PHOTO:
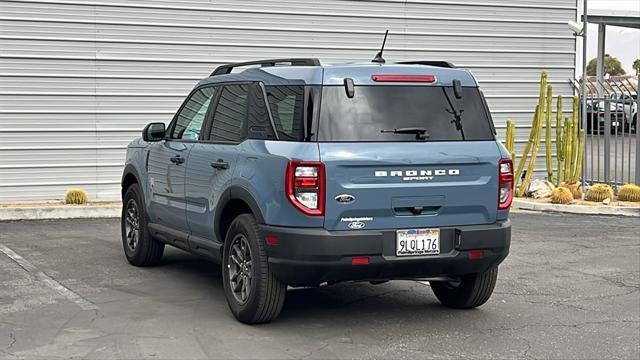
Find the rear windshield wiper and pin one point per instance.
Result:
(419, 132)
(457, 115)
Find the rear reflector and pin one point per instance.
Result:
(272, 240)
(404, 78)
(360, 260)
(475, 254)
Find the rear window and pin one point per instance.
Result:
(374, 109)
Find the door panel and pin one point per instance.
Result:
(166, 183)
(167, 162)
(211, 165)
(206, 184)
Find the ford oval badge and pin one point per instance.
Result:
(356, 225)
(345, 198)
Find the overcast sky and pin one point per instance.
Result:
(623, 43)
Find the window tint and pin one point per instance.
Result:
(191, 117)
(230, 117)
(259, 124)
(287, 108)
(377, 108)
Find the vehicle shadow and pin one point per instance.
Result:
(398, 301)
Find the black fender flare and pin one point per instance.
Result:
(129, 169)
(235, 192)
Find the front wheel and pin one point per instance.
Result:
(139, 247)
(253, 293)
(467, 292)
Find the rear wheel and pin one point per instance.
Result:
(139, 247)
(253, 293)
(468, 292)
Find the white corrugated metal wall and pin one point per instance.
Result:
(80, 78)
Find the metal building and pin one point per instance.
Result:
(80, 78)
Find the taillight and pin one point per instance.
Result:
(305, 186)
(404, 78)
(505, 183)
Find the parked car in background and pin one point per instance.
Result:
(596, 115)
(310, 174)
(629, 103)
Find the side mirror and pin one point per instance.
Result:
(457, 88)
(154, 132)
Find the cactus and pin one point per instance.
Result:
(527, 148)
(599, 193)
(534, 152)
(574, 137)
(559, 143)
(76, 197)
(511, 137)
(534, 140)
(561, 195)
(629, 192)
(578, 164)
(567, 148)
(547, 139)
(574, 187)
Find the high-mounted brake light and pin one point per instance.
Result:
(305, 186)
(404, 78)
(505, 183)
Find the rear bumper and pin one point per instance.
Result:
(310, 256)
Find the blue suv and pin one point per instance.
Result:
(296, 173)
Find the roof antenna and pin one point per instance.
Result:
(379, 59)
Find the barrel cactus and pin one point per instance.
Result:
(599, 193)
(573, 186)
(76, 197)
(561, 195)
(629, 192)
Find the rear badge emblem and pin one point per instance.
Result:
(356, 225)
(345, 198)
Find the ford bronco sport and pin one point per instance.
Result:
(294, 173)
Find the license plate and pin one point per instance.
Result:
(416, 242)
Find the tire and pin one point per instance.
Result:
(140, 248)
(472, 290)
(259, 295)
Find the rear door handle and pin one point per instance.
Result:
(220, 164)
(177, 159)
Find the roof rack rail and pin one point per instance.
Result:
(226, 68)
(438, 63)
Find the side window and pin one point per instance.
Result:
(259, 123)
(191, 117)
(287, 108)
(230, 117)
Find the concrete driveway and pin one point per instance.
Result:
(569, 289)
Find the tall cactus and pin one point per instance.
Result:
(547, 139)
(567, 148)
(574, 136)
(559, 143)
(534, 151)
(534, 139)
(511, 135)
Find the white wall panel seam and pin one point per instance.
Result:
(284, 46)
(99, 57)
(301, 13)
(286, 29)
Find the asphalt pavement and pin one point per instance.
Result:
(569, 289)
